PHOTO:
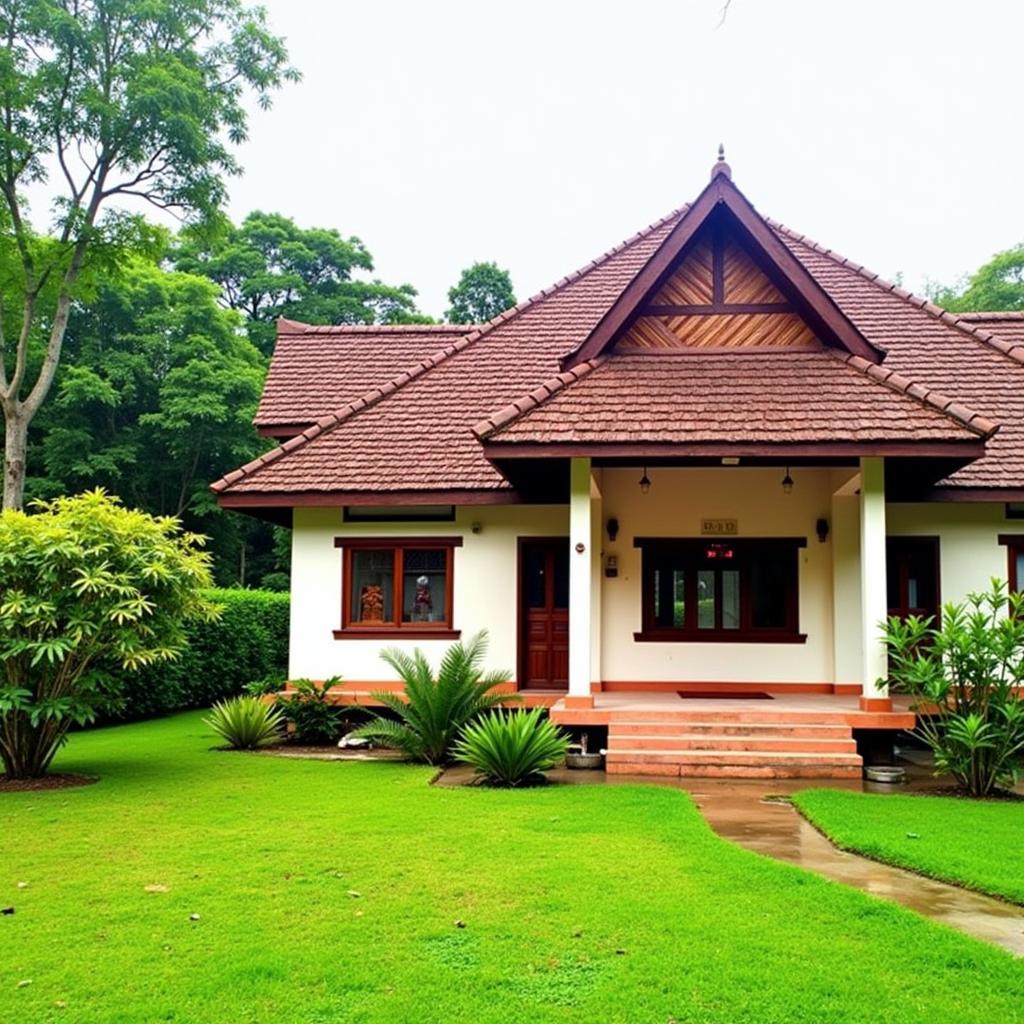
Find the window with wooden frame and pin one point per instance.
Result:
(737, 591)
(912, 577)
(397, 587)
(1014, 543)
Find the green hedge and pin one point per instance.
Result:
(249, 641)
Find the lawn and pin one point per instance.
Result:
(330, 892)
(976, 843)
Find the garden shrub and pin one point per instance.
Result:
(310, 711)
(248, 642)
(245, 723)
(510, 748)
(965, 675)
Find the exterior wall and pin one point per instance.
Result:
(678, 500)
(485, 573)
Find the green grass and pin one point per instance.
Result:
(975, 843)
(580, 903)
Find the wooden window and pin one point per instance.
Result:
(397, 587)
(1015, 559)
(738, 591)
(912, 576)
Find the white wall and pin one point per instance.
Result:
(484, 586)
(678, 500)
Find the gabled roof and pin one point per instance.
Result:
(411, 436)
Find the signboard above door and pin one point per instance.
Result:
(719, 527)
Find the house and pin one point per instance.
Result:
(706, 465)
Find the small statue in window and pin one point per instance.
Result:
(371, 604)
(423, 604)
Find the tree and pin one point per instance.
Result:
(86, 584)
(482, 293)
(998, 285)
(269, 267)
(115, 100)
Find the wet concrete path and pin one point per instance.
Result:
(746, 813)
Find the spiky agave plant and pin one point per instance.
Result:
(509, 748)
(435, 708)
(245, 723)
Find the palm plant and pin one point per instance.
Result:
(510, 748)
(434, 709)
(245, 723)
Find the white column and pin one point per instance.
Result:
(581, 573)
(873, 602)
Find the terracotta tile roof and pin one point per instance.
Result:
(1007, 326)
(731, 397)
(953, 353)
(317, 370)
(414, 431)
(424, 441)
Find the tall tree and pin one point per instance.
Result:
(269, 267)
(483, 291)
(110, 100)
(998, 285)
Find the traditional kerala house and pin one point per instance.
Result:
(708, 463)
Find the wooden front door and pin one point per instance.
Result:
(544, 613)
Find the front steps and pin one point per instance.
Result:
(731, 744)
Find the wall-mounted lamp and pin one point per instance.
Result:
(787, 483)
(645, 483)
(476, 527)
(821, 528)
(613, 529)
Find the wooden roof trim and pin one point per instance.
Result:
(936, 400)
(377, 394)
(334, 499)
(1014, 351)
(967, 448)
(721, 191)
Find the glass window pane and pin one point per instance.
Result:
(706, 599)
(373, 585)
(679, 595)
(730, 599)
(1020, 570)
(424, 585)
(768, 591)
(535, 577)
(560, 562)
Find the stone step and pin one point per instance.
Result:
(714, 716)
(842, 744)
(734, 771)
(678, 728)
(733, 757)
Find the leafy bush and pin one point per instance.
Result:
(271, 684)
(435, 709)
(309, 709)
(245, 723)
(249, 641)
(86, 583)
(513, 747)
(965, 677)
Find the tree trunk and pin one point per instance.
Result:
(27, 750)
(15, 443)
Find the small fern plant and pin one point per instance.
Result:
(245, 723)
(436, 708)
(510, 748)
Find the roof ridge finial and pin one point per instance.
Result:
(720, 166)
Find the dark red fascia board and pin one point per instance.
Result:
(721, 191)
(977, 494)
(967, 449)
(335, 499)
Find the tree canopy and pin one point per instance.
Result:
(998, 285)
(484, 290)
(268, 267)
(103, 102)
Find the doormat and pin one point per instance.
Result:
(724, 695)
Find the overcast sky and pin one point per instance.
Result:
(539, 134)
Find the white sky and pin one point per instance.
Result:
(540, 134)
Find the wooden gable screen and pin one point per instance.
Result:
(717, 297)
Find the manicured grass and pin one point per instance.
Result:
(975, 843)
(581, 903)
